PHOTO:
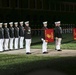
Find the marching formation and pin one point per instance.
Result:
(13, 38)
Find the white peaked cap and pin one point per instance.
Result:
(26, 22)
(11, 23)
(1, 23)
(57, 22)
(5, 23)
(21, 22)
(45, 22)
(16, 23)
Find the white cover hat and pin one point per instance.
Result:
(57, 22)
(26, 22)
(11, 23)
(45, 22)
(5, 23)
(21, 22)
(16, 23)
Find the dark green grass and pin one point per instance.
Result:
(66, 38)
(68, 46)
(22, 64)
(67, 43)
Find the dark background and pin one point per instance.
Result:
(37, 11)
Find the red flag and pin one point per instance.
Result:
(49, 35)
(74, 32)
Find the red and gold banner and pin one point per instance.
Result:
(74, 32)
(49, 35)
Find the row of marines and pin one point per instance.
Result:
(13, 37)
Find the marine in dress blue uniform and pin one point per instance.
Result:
(44, 44)
(21, 34)
(11, 34)
(27, 36)
(6, 37)
(16, 36)
(1, 37)
(58, 35)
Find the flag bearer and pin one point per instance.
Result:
(21, 34)
(44, 45)
(16, 35)
(58, 35)
(27, 35)
(6, 37)
(11, 34)
(1, 37)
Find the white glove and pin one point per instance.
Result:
(42, 39)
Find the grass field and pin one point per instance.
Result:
(68, 46)
(67, 42)
(24, 64)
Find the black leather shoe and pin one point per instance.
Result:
(28, 53)
(59, 50)
(45, 52)
(11, 49)
(21, 48)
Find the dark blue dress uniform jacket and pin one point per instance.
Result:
(6, 33)
(27, 33)
(1, 33)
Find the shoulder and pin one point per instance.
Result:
(8, 28)
(2, 28)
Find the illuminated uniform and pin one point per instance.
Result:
(6, 37)
(58, 36)
(21, 34)
(44, 45)
(16, 35)
(11, 34)
(27, 36)
(1, 37)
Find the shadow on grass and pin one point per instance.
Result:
(66, 65)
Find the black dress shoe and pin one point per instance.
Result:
(45, 52)
(21, 48)
(6, 50)
(28, 53)
(59, 50)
